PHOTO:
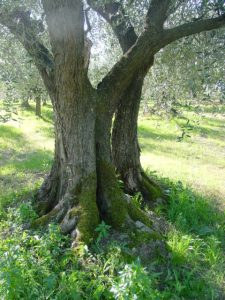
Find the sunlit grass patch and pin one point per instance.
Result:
(25, 154)
(36, 161)
(198, 160)
(11, 141)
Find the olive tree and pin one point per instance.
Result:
(82, 187)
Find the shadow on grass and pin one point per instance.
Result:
(214, 131)
(146, 133)
(167, 144)
(215, 122)
(195, 269)
(212, 127)
(207, 108)
(36, 160)
(47, 113)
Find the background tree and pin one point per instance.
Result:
(194, 77)
(22, 83)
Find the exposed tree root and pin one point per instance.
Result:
(81, 219)
(47, 195)
(138, 181)
(79, 211)
(152, 192)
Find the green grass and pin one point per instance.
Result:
(197, 161)
(197, 244)
(40, 265)
(26, 149)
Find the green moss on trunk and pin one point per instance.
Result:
(112, 198)
(137, 214)
(87, 210)
(150, 188)
(84, 209)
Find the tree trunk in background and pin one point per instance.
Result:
(38, 105)
(125, 148)
(25, 102)
(44, 101)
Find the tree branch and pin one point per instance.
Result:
(133, 61)
(157, 13)
(147, 45)
(26, 30)
(171, 35)
(115, 15)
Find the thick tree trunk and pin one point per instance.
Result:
(125, 147)
(82, 187)
(68, 194)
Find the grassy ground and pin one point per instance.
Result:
(198, 161)
(26, 147)
(35, 265)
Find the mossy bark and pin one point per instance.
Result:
(79, 198)
(77, 212)
(88, 210)
(110, 196)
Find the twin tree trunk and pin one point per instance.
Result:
(82, 188)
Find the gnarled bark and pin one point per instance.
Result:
(125, 147)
